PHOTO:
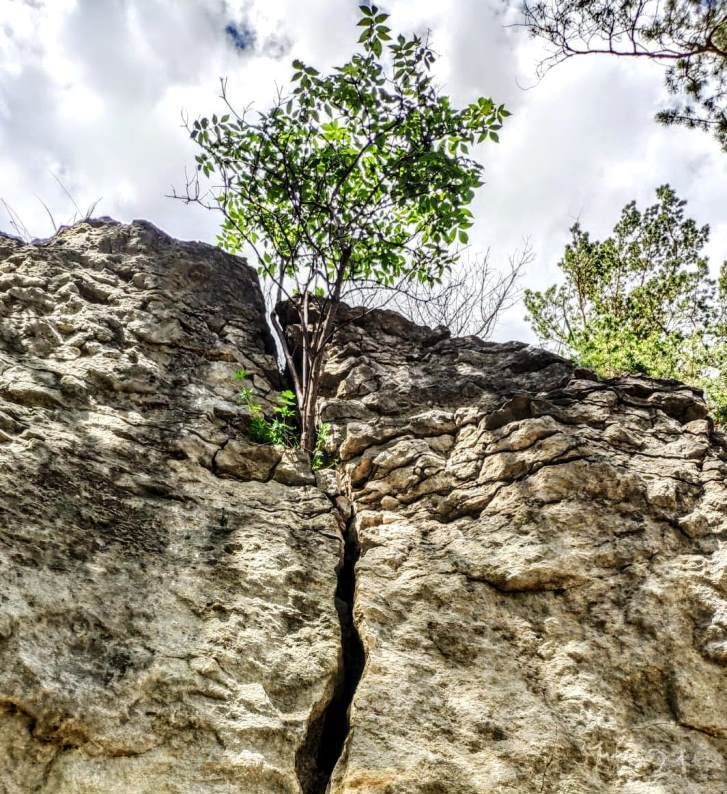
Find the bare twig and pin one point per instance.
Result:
(70, 196)
(468, 302)
(16, 222)
(53, 223)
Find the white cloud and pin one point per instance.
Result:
(92, 90)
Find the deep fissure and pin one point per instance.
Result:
(327, 734)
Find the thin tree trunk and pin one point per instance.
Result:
(308, 409)
(308, 419)
(313, 356)
(308, 425)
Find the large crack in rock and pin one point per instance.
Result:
(542, 583)
(327, 735)
(534, 560)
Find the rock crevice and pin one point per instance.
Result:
(326, 739)
(184, 611)
(594, 512)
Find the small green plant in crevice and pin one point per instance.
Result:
(282, 429)
(320, 459)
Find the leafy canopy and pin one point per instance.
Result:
(641, 300)
(689, 37)
(360, 174)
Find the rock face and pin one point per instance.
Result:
(167, 621)
(538, 557)
(542, 584)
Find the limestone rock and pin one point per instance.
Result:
(536, 558)
(541, 591)
(167, 620)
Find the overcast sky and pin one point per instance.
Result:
(91, 91)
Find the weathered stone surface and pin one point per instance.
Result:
(167, 621)
(542, 587)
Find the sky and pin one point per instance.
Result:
(92, 95)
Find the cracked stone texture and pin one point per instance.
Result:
(167, 620)
(542, 588)
(541, 592)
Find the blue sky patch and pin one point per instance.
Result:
(241, 36)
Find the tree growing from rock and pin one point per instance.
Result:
(641, 300)
(363, 174)
(689, 37)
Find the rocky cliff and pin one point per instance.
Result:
(514, 580)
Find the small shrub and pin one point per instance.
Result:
(320, 459)
(282, 429)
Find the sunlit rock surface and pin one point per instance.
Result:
(540, 557)
(542, 586)
(166, 613)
